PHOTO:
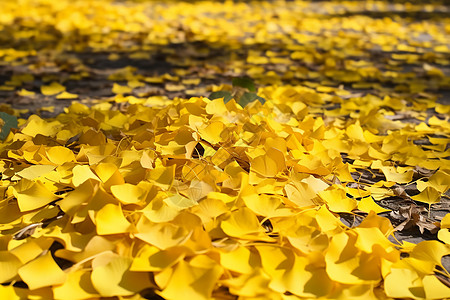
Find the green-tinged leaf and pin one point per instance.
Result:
(6, 123)
(249, 98)
(221, 94)
(244, 82)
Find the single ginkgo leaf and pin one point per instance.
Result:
(121, 89)
(240, 260)
(429, 195)
(194, 282)
(59, 155)
(67, 95)
(212, 132)
(77, 286)
(110, 220)
(41, 272)
(151, 259)
(161, 235)
(270, 164)
(128, 193)
(251, 285)
(337, 200)
(404, 283)
(8, 292)
(216, 106)
(244, 82)
(227, 96)
(162, 176)
(434, 288)
(25, 93)
(35, 171)
(81, 173)
(32, 194)
(392, 174)
(242, 223)
(179, 202)
(9, 264)
(367, 205)
(346, 264)
(52, 89)
(115, 279)
(248, 98)
(7, 122)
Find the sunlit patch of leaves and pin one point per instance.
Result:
(215, 195)
(276, 192)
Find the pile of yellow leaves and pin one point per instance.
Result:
(142, 197)
(204, 199)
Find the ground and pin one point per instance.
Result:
(364, 68)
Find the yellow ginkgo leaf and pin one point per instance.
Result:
(121, 89)
(426, 255)
(263, 205)
(434, 288)
(337, 200)
(9, 264)
(210, 208)
(33, 172)
(162, 176)
(52, 89)
(445, 222)
(242, 223)
(404, 283)
(428, 195)
(212, 133)
(240, 260)
(8, 292)
(110, 220)
(355, 132)
(29, 250)
(150, 259)
(367, 205)
(41, 272)
(115, 279)
(270, 164)
(66, 95)
(35, 125)
(77, 286)
(161, 235)
(444, 235)
(134, 84)
(128, 193)
(255, 284)
(109, 174)
(369, 237)
(216, 106)
(158, 211)
(26, 93)
(392, 174)
(439, 181)
(59, 155)
(186, 278)
(346, 264)
(32, 194)
(179, 202)
(288, 273)
(72, 200)
(81, 173)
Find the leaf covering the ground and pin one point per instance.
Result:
(252, 200)
(245, 194)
